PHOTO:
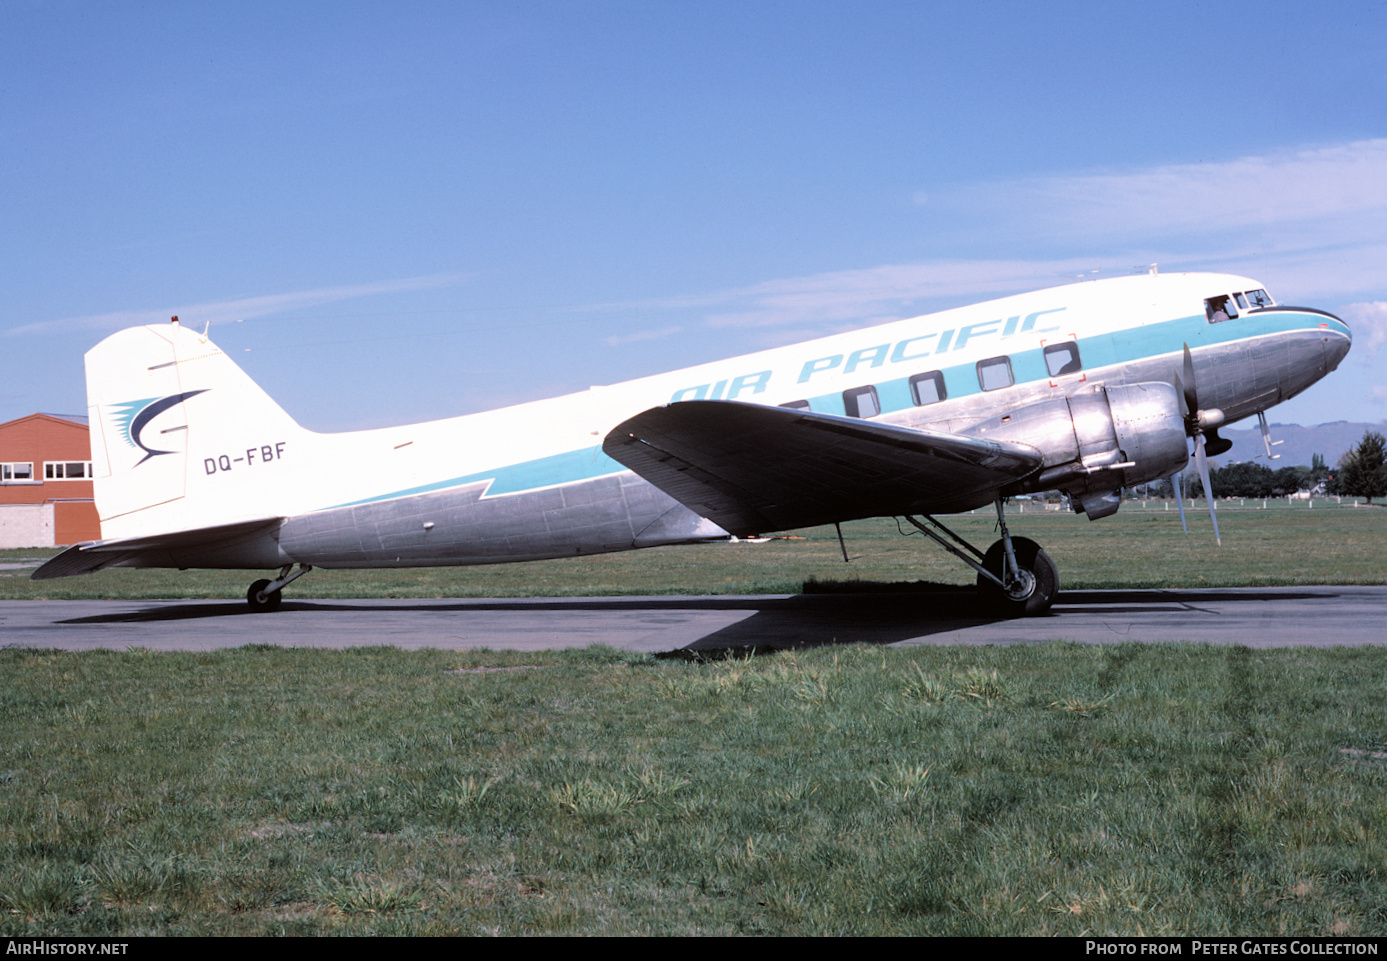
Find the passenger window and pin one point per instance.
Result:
(1063, 359)
(995, 373)
(796, 404)
(861, 402)
(1259, 298)
(928, 388)
(1221, 308)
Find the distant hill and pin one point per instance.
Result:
(1331, 440)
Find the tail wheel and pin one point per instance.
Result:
(1035, 589)
(261, 602)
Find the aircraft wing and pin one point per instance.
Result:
(159, 550)
(751, 468)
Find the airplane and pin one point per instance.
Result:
(1086, 388)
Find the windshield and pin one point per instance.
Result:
(1227, 306)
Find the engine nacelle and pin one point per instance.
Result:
(1126, 436)
(1098, 442)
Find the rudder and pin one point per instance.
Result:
(164, 403)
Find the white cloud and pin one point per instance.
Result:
(220, 312)
(877, 294)
(1311, 223)
(1339, 183)
(641, 335)
(1315, 277)
(1369, 325)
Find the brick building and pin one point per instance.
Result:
(46, 482)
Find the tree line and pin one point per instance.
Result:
(1361, 472)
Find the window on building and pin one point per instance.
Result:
(995, 373)
(17, 472)
(928, 388)
(861, 402)
(1063, 359)
(67, 470)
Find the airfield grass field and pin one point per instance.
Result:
(1040, 789)
(1058, 789)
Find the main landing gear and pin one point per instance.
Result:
(1016, 577)
(264, 596)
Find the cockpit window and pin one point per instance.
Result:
(1260, 298)
(1242, 301)
(1220, 308)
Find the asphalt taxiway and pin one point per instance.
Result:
(1254, 617)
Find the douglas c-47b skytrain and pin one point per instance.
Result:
(1086, 388)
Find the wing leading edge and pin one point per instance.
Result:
(751, 468)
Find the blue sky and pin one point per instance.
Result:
(399, 212)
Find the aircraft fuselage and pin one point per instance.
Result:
(1082, 374)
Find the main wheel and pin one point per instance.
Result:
(1039, 582)
(259, 601)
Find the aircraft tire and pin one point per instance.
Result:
(1031, 557)
(270, 603)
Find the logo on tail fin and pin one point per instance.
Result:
(133, 416)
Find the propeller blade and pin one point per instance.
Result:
(1191, 394)
(1201, 461)
(1179, 479)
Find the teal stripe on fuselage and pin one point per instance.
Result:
(1096, 350)
(566, 468)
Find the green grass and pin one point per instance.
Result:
(1135, 548)
(1052, 789)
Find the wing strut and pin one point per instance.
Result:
(839, 528)
(982, 571)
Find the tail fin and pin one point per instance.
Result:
(177, 432)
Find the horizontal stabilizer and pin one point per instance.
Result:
(751, 468)
(159, 550)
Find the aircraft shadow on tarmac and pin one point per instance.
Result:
(797, 621)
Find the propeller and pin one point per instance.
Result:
(1197, 423)
(1179, 480)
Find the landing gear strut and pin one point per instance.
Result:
(1015, 577)
(264, 596)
